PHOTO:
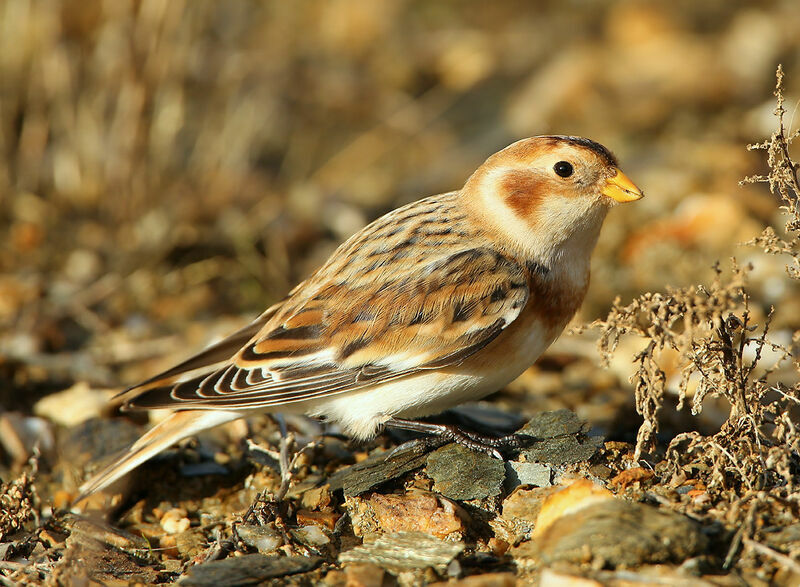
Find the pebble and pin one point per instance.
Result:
(522, 507)
(190, 544)
(264, 539)
(409, 512)
(325, 520)
(310, 535)
(552, 424)
(247, 570)
(374, 471)
(175, 521)
(483, 580)
(105, 555)
(560, 439)
(364, 575)
(73, 405)
(87, 533)
(404, 551)
(463, 474)
(316, 498)
(618, 533)
(568, 500)
(535, 474)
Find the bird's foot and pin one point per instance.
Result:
(439, 434)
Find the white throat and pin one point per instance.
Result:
(563, 235)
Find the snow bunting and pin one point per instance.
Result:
(442, 301)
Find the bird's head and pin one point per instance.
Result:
(548, 192)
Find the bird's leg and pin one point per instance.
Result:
(471, 440)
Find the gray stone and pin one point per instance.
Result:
(618, 533)
(264, 539)
(106, 555)
(374, 471)
(249, 569)
(560, 439)
(534, 474)
(464, 474)
(552, 424)
(404, 551)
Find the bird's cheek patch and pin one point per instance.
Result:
(523, 191)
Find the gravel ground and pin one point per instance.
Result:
(171, 169)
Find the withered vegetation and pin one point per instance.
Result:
(751, 464)
(171, 169)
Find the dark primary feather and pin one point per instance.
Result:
(216, 353)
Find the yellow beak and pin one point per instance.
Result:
(621, 189)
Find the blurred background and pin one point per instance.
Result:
(169, 169)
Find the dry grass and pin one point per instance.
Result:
(751, 466)
(169, 169)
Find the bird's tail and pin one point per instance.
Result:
(174, 428)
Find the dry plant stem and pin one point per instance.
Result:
(783, 182)
(749, 468)
(686, 320)
(781, 559)
(287, 465)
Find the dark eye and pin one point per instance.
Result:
(563, 168)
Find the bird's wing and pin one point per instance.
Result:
(360, 329)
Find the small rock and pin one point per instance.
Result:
(190, 544)
(150, 532)
(522, 507)
(631, 476)
(561, 439)
(576, 496)
(264, 539)
(618, 533)
(105, 555)
(168, 546)
(409, 512)
(364, 575)
(325, 520)
(463, 474)
(600, 471)
(249, 569)
(86, 532)
(554, 578)
(334, 579)
(374, 471)
(310, 535)
(74, 405)
(403, 551)
(175, 521)
(552, 424)
(535, 474)
(316, 498)
(483, 580)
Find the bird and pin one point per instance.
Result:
(441, 301)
